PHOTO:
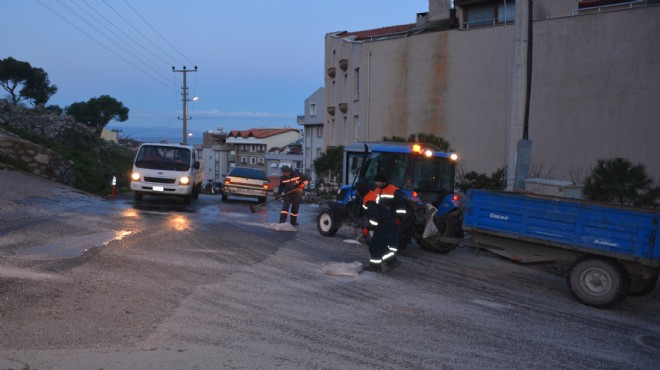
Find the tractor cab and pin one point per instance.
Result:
(424, 172)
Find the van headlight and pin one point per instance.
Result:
(135, 176)
(185, 180)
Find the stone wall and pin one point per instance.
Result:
(50, 127)
(22, 154)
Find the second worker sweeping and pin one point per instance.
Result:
(291, 182)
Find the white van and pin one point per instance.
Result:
(167, 169)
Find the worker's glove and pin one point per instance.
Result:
(365, 232)
(397, 221)
(301, 186)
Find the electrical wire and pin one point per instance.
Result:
(142, 59)
(101, 43)
(139, 32)
(158, 33)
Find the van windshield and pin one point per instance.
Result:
(163, 158)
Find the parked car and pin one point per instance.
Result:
(217, 187)
(246, 182)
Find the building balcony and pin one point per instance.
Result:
(331, 110)
(343, 107)
(343, 64)
(331, 72)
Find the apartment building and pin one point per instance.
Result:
(312, 122)
(595, 82)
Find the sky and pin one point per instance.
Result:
(257, 61)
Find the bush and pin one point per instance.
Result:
(620, 181)
(474, 180)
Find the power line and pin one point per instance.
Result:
(158, 33)
(138, 31)
(125, 34)
(144, 60)
(100, 43)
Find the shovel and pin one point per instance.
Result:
(255, 207)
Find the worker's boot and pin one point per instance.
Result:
(373, 267)
(294, 220)
(392, 263)
(282, 218)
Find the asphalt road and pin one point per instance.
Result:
(90, 283)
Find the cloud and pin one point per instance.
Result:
(215, 113)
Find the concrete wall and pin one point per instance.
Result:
(595, 86)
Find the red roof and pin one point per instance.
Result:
(378, 32)
(259, 133)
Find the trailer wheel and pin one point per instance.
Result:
(599, 282)
(325, 223)
(640, 287)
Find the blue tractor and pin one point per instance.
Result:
(426, 175)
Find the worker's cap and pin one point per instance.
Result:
(286, 169)
(362, 187)
(380, 177)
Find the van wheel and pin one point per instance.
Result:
(599, 282)
(137, 196)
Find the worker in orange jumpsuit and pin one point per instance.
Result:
(394, 198)
(291, 184)
(378, 219)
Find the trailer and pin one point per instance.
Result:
(614, 250)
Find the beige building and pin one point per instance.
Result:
(250, 146)
(594, 90)
(312, 121)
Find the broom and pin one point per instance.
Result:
(255, 207)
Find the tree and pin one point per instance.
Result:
(618, 180)
(440, 142)
(329, 163)
(97, 112)
(24, 82)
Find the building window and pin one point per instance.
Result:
(243, 160)
(356, 123)
(253, 160)
(252, 148)
(312, 109)
(261, 161)
(319, 132)
(356, 89)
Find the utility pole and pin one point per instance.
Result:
(185, 99)
(518, 147)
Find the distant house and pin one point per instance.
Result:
(216, 154)
(249, 147)
(110, 135)
(289, 155)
